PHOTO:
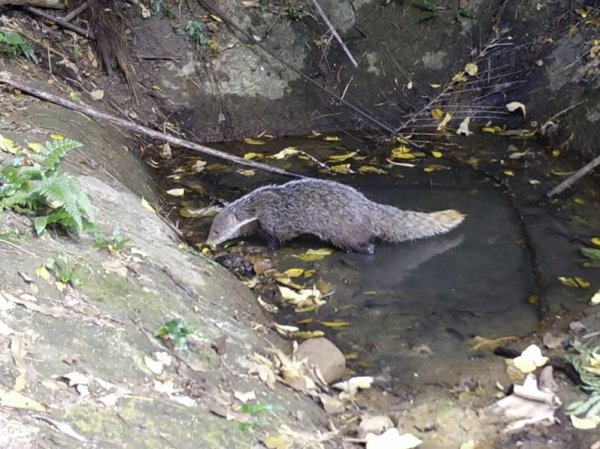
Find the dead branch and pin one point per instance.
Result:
(334, 32)
(574, 177)
(6, 78)
(57, 20)
(53, 4)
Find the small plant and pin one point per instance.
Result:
(158, 6)
(295, 13)
(12, 44)
(254, 421)
(430, 10)
(586, 361)
(177, 331)
(32, 186)
(196, 33)
(62, 269)
(115, 243)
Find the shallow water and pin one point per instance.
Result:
(414, 306)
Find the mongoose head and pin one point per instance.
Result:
(226, 226)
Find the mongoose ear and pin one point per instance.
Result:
(230, 220)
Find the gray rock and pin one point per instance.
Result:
(325, 355)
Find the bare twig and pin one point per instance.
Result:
(70, 16)
(6, 78)
(54, 4)
(334, 32)
(14, 245)
(574, 177)
(59, 21)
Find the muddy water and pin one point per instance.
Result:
(413, 307)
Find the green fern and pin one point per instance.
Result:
(38, 190)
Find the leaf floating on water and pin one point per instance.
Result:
(436, 154)
(313, 254)
(251, 141)
(591, 253)
(285, 153)
(335, 324)
(516, 105)
(575, 282)
(252, 155)
(370, 169)
(341, 157)
(492, 129)
(463, 128)
(471, 69)
(595, 241)
(343, 169)
(509, 172)
(246, 172)
(176, 192)
(444, 122)
(332, 139)
(437, 114)
(518, 155)
(595, 299)
(434, 167)
(294, 272)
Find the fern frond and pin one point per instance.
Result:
(53, 152)
(18, 198)
(63, 193)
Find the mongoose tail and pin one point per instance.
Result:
(397, 225)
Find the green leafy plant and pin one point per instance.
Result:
(586, 361)
(295, 13)
(430, 10)
(254, 421)
(62, 269)
(114, 243)
(33, 186)
(196, 33)
(176, 331)
(12, 44)
(158, 6)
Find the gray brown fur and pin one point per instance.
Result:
(329, 210)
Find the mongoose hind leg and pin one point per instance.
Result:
(366, 248)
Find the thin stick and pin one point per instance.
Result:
(63, 23)
(70, 16)
(334, 32)
(14, 245)
(55, 4)
(574, 177)
(86, 110)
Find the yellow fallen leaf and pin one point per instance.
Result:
(8, 145)
(585, 423)
(252, 155)
(471, 69)
(492, 129)
(595, 241)
(285, 153)
(216, 18)
(251, 141)
(460, 76)
(146, 205)
(341, 157)
(278, 441)
(370, 169)
(14, 399)
(530, 359)
(436, 154)
(509, 172)
(332, 139)
(42, 273)
(213, 45)
(489, 344)
(56, 137)
(176, 192)
(574, 281)
(335, 324)
(444, 122)
(555, 152)
(514, 105)
(343, 169)
(578, 200)
(595, 299)
(314, 254)
(437, 114)
(435, 85)
(294, 272)
(305, 335)
(35, 147)
(246, 172)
